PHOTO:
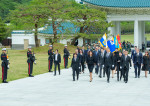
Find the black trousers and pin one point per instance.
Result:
(101, 67)
(75, 72)
(107, 70)
(65, 62)
(137, 67)
(4, 72)
(82, 66)
(118, 70)
(97, 68)
(30, 68)
(126, 71)
(122, 73)
(50, 65)
(57, 65)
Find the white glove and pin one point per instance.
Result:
(120, 67)
(8, 66)
(34, 55)
(79, 67)
(34, 62)
(103, 66)
(112, 65)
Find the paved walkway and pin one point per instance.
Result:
(49, 90)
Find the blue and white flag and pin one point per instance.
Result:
(111, 45)
(103, 40)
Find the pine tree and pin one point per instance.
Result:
(3, 30)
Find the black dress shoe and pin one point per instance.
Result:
(135, 76)
(31, 76)
(50, 71)
(118, 79)
(54, 74)
(100, 76)
(107, 81)
(138, 76)
(5, 82)
(74, 80)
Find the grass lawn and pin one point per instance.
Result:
(18, 61)
(130, 38)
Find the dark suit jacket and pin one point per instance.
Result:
(82, 58)
(84, 52)
(138, 59)
(108, 61)
(75, 64)
(101, 59)
(126, 63)
(90, 60)
(96, 56)
(58, 58)
(66, 53)
(132, 54)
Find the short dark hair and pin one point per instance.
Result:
(57, 50)
(135, 46)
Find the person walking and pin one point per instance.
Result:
(146, 61)
(90, 63)
(75, 64)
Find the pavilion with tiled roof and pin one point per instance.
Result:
(125, 10)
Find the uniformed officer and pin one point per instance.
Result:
(66, 55)
(30, 61)
(5, 65)
(50, 58)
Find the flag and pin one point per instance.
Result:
(111, 45)
(103, 40)
(119, 41)
(116, 42)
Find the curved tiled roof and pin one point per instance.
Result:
(62, 29)
(120, 3)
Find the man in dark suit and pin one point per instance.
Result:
(50, 58)
(108, 63)
(125, 64)
(84, 53)
(96, 58)
(66, 55)
(137, 61)
(133, 52)
(89, 48)
(57, 61)
(101, 62)
(75, 64)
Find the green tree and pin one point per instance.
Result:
(58, 13)
(91, 22)
(7, 5)
(30, 16)
(3, 30)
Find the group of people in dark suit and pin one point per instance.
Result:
(140, 62)
(103, 61)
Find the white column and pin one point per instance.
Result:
(143, 31)
(136, 33)
(139, 33)
(116, 29)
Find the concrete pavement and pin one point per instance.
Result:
(60, 90)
